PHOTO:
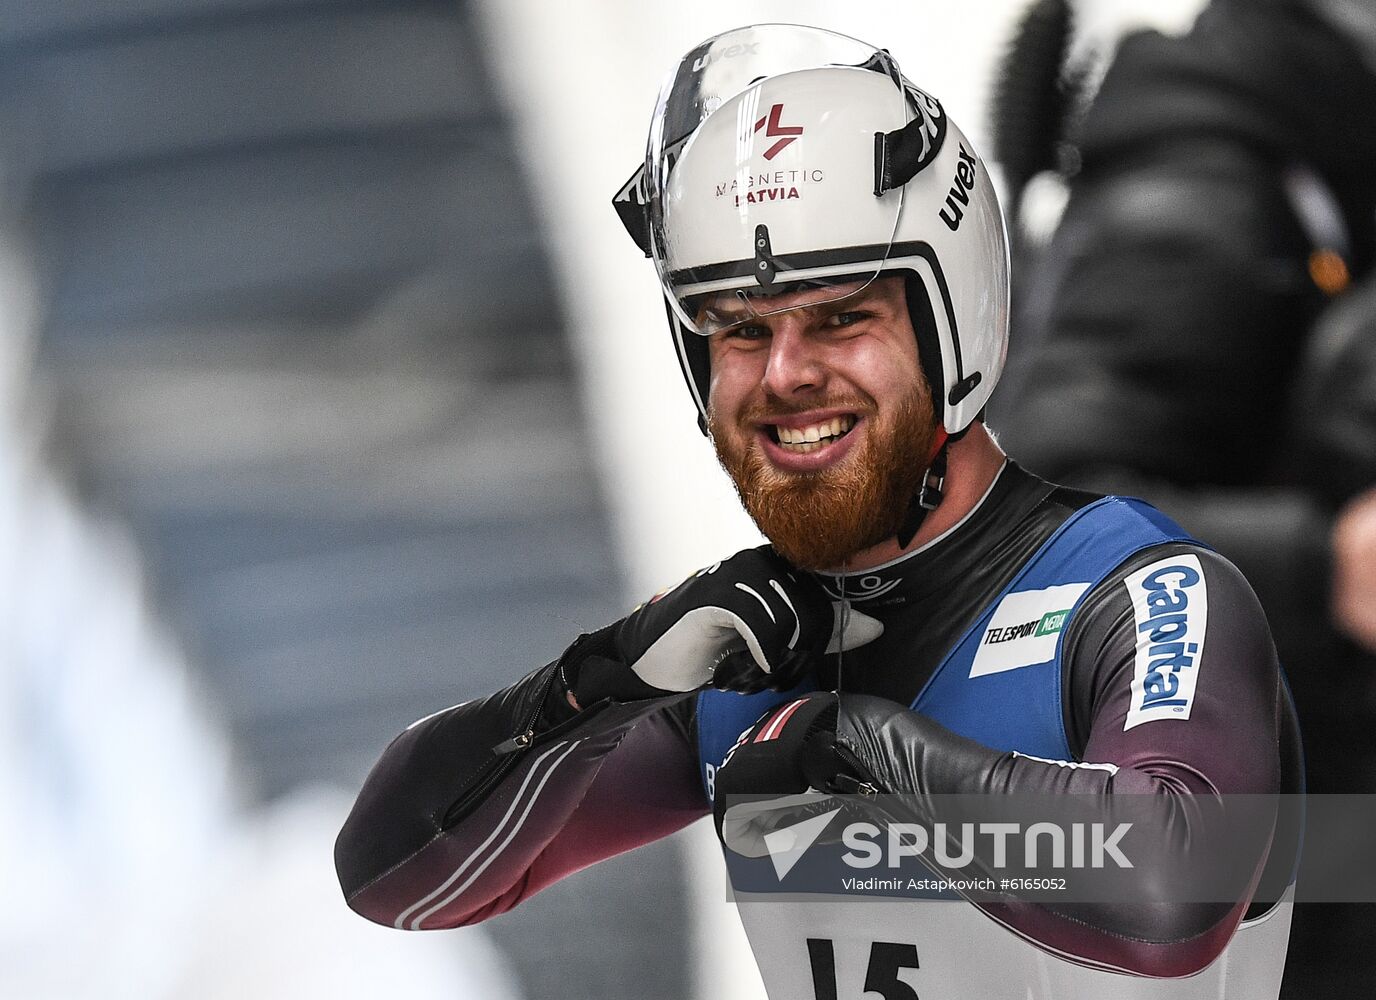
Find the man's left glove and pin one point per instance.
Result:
(870, 750)
(787, 768)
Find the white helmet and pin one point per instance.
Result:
(783, 157)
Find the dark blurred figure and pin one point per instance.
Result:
(1201, 331)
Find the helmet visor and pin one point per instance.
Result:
(760, 172)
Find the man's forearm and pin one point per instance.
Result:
(1155, 931)
(461, 804)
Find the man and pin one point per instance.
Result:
(834, 262)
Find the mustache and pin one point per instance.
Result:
(768, 410)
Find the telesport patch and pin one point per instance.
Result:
(1024, 629)
(1170, 602)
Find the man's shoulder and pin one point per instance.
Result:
(1187, 551)
(1160, 540)
(1120, 548)
(1169, 577)
(1101, 515)
(1044, 534)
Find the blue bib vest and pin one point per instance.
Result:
(1017, 707)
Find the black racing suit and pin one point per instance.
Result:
(477, 807)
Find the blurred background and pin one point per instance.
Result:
(335, 394)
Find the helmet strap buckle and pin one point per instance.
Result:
(927, 499)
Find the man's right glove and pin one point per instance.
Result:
(744, 624)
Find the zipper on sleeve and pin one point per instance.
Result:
(521, 741)
(849, 784)
(506, 754)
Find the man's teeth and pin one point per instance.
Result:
(814, 436)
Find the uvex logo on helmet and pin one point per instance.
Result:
(772, 128)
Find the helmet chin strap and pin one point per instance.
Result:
(928, 498)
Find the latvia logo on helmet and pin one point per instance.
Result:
(773, 129)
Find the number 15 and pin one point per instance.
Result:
(886, 960)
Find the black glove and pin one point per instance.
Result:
(744, 624)
(788, 767)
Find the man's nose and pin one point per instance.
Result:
(795, 366)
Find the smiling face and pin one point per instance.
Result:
(823, 419)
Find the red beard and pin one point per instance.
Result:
(819, 520)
